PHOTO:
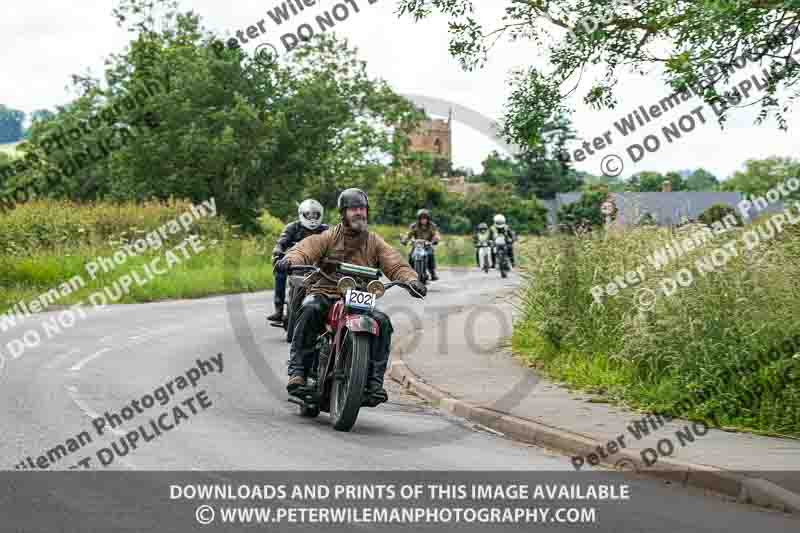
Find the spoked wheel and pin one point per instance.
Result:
(350, 378)
(503, 266)
(422, 273)
(291, 311)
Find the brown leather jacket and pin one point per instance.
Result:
(340, 244)
(418, 231)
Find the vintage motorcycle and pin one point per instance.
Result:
(338, 375)
(485, 254)
(420, 259)
(295, 292)
(502, 255)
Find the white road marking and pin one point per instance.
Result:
(57, 359)
(73, 391)
(79, 364)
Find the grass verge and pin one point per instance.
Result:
(722, 349)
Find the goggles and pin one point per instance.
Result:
(313, 215)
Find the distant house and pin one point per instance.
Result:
(666, 208)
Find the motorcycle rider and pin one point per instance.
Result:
(350, 242)
(483, 234)
(500, 228)
(424, 228)
(309, 222)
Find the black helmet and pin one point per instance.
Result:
(423, 212)
(352, 198)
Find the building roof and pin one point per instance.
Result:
(667, 208)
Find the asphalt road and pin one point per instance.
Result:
(102, 363)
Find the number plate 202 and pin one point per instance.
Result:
(359, 300)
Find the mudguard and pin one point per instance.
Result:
(362, 324)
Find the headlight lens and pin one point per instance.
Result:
(345, 284)
(376, 288)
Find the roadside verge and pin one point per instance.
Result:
(419, 365)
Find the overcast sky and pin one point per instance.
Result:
(43, 42)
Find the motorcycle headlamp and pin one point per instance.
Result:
(376, 288)
(345, 284)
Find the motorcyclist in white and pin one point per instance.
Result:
(500, 228)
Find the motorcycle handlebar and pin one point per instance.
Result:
(313, 269)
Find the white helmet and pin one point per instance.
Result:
(310, 213)
(499, 221)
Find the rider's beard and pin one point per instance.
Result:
(357, 223)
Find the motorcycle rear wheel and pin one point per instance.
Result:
(350, 378)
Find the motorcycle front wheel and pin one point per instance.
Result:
(350, 378)
(422, 274)
(295, 300)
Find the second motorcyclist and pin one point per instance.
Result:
(424, 228)
(309, 222)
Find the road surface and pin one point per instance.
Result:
(52, 394)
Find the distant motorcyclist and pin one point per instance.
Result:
(424, 228)
(350, 242)
(501, 228)
(483, 234)
(309, 222)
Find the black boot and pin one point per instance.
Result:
(277, 316)
(374, 393)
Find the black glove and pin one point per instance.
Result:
(281, 266)
(419, 290)
(276, 258)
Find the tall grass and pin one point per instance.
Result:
(44, 243)
(720, 349)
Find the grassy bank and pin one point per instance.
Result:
(45, 243)
(721, 349)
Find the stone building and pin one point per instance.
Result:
(435, 137)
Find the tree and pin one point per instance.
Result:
(250, 133)
(11, 129)
(499, 169)
(701, 180)
(590, 181)
(760, 175)
(650, 181)
(545, 171)
(41, 115)
(645, 181)
(524, 215)
(397, 196)
(717, 212)
(467, 172)
(696, 43)
(586, 209)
